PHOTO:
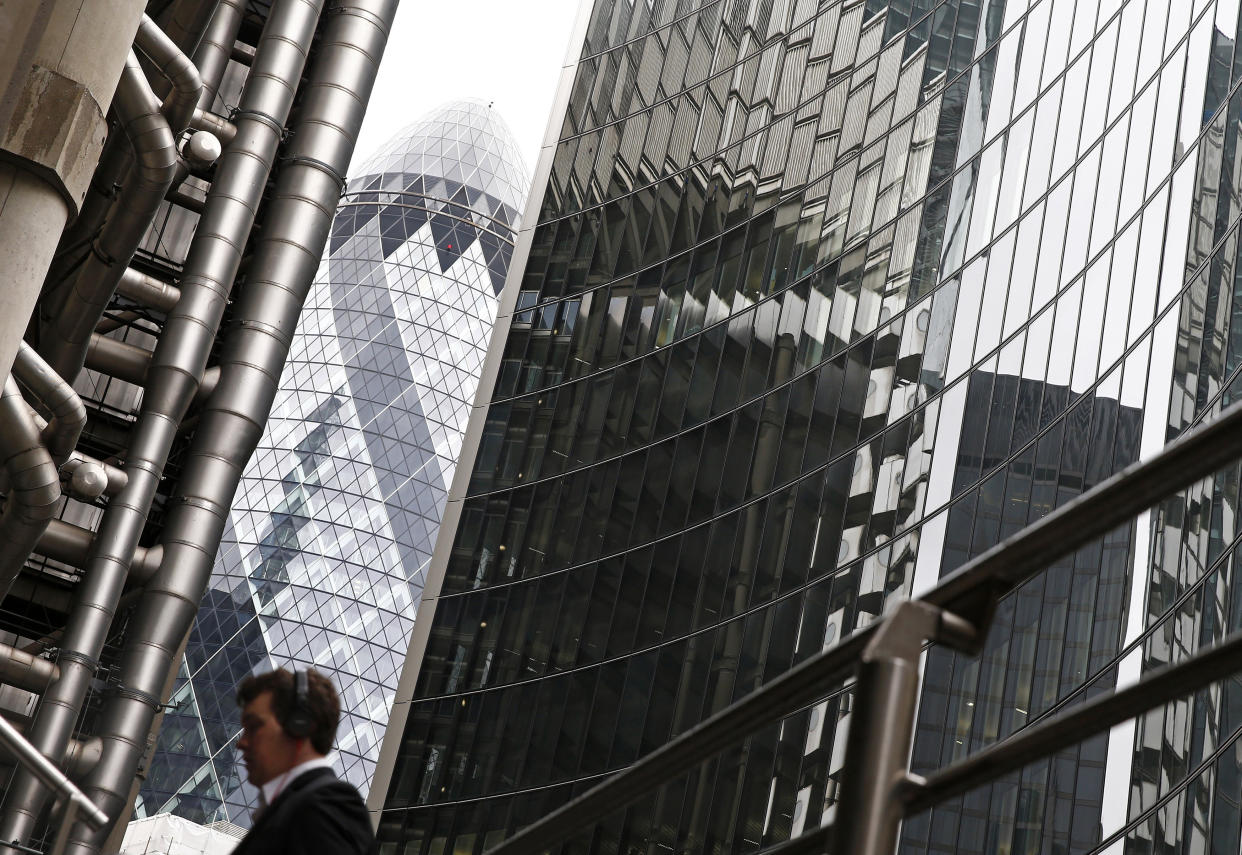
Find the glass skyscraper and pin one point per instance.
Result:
(324, 560)
(816, 301)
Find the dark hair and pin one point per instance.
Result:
(322, 701)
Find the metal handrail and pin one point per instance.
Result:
(969, 592)
(51, 777)
(1074, 726)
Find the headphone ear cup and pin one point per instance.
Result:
(299, 724)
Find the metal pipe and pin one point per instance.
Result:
(25, 670)
(176, 67)
(148, 290)
(31, 760)
(172, 380)
(71, 544)
(114, 475)
(34, 484)
(68, 412)
(185, 200)
(212, 55)
(211, 379)
(117, 358)
(971, 588)
(204, 120)
(68, 335)
(286, 257)
(186, 20)
(242, 53)
(81, 757)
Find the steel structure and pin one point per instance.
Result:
(194, 206)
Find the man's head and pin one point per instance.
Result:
(268, 702)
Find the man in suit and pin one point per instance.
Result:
(289, 722)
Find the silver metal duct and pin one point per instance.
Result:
(176, 67)
(25, 670)
(173, 378)
(66, 339)
(148, 290)
(286, 256)
(115, 477)
(212, 55)
(185, 21)
(71, 544)
(207, 121)
(117, 358)
(34, 484)
(68, 413)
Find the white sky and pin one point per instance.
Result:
(509, 52)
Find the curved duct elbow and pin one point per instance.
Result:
(174, 65)
(68, 411)
(154, 170)
(34, 485)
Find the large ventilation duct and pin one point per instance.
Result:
(61, 90)
(186, 21)
(286, 257)
(175, 371)
(155, 153)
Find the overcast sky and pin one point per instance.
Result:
(503, 51)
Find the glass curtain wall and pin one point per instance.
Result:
(823, 299)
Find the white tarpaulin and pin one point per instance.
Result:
(165, 834)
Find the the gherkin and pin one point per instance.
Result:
(333, 525)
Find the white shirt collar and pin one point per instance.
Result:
(276, 786)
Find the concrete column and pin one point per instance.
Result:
(61, 60)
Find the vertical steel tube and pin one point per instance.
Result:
(172, 381)
(286, 256)
(878, 748)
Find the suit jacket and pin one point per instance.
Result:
(316, 814)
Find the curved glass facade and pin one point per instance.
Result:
(324, 560)
(823, 299)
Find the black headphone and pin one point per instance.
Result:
(298, 722)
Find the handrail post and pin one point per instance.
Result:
(882, 725)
